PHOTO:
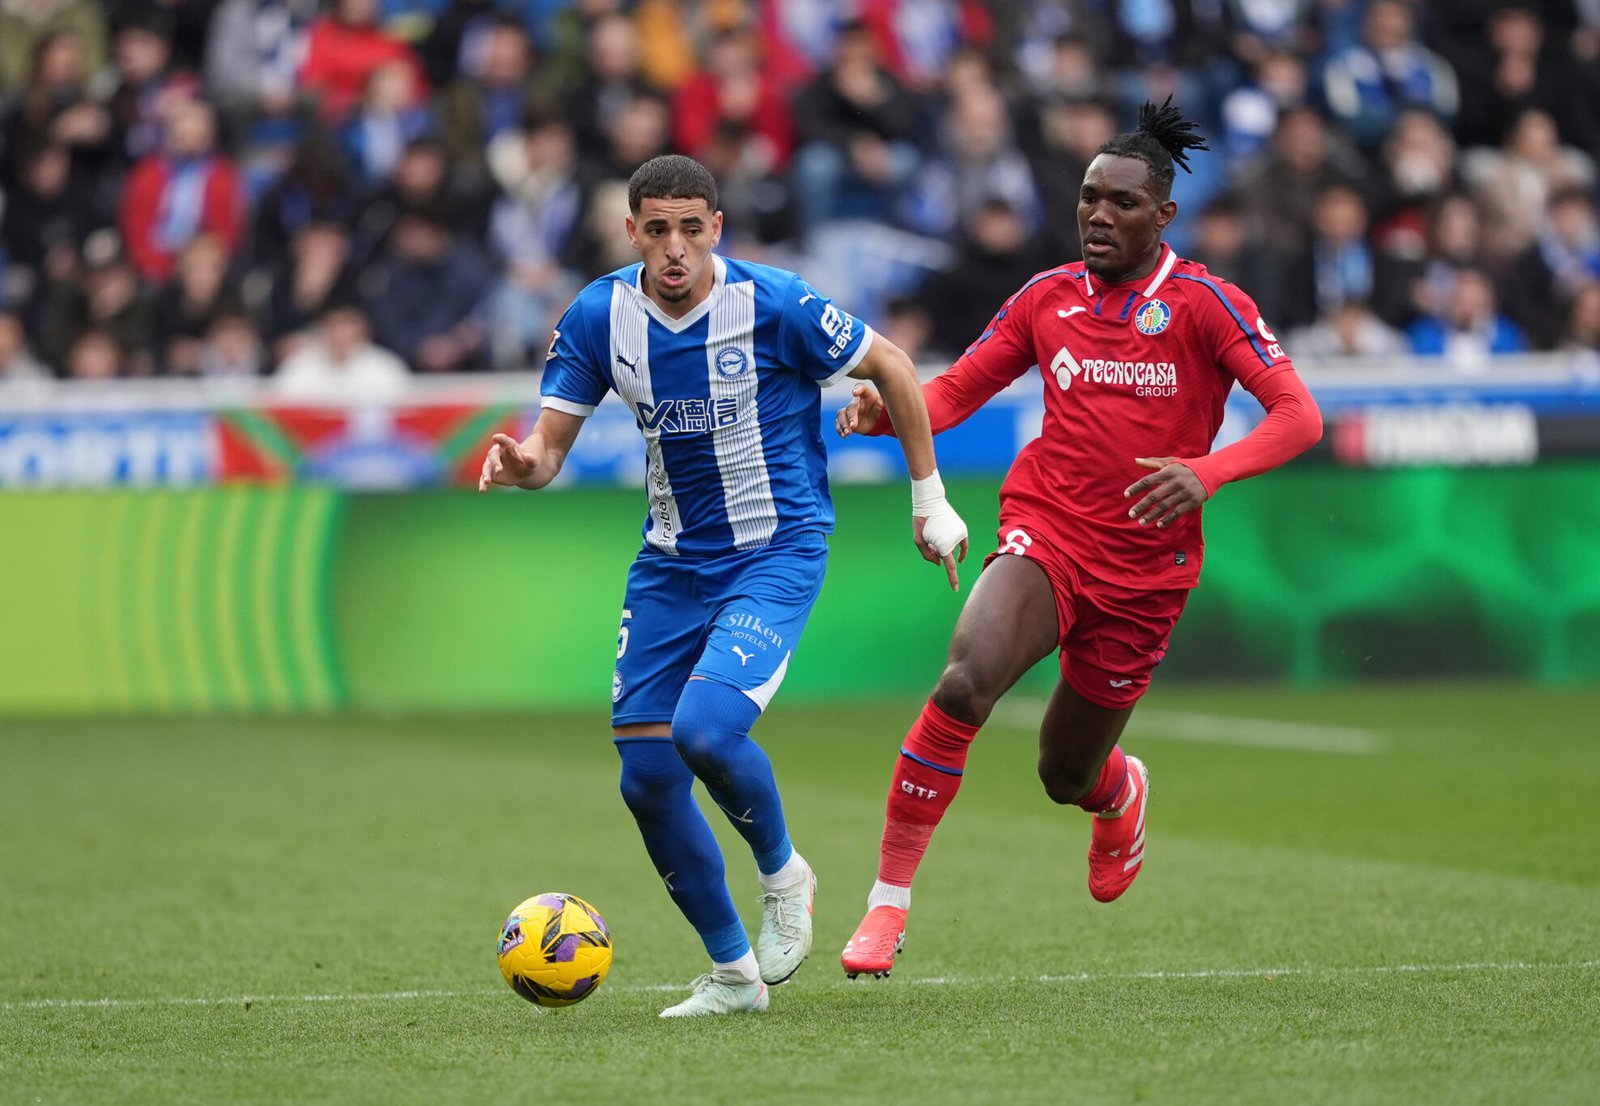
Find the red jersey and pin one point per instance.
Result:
(1139, 369)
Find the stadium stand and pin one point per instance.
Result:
(189, 187)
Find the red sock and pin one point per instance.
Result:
(925, 781)
(1111, 789)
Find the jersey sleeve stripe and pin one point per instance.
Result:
(1249, 332)
(567, 406)
(1035, 280)
(988, 331)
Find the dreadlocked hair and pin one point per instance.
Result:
(1164, 139)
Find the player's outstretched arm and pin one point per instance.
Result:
(938, 531)
(537, 459)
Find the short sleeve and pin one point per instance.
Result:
(816, 338)
(574, 378)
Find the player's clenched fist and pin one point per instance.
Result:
(507, 463)
(861, 414)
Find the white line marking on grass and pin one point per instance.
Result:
(233, 1000)
(927, 981)
(1222, 729)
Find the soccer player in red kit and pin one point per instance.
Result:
(1099, 539)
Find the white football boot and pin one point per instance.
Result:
(716, 995)
(785, 939)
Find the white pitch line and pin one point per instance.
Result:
(926, 981)
(1222, 729)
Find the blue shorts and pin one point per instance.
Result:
(734, 619)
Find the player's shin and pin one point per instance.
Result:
(927, 775)
(657, 786)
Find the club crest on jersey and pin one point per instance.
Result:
(1153, 317)
(731, 362)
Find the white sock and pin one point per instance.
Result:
(742, 970)
(791, 874)
(887, 894)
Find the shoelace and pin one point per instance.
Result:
(782, 913)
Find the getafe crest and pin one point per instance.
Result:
(1153, 317)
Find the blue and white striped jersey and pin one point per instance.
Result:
(728, 399)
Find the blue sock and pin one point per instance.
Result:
(712, 732)
(657, 786)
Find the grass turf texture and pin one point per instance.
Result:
(1420, 923)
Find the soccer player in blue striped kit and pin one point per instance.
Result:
(722, 363)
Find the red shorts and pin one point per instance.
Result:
(1111, 636)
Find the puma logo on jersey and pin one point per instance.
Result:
(744, 658)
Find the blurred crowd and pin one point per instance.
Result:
(356, 190)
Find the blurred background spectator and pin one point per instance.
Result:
(198, 294)
(340, 361)
(26, 26)
(191, 187)
(427, 290)
(1367, 85)
(184, 189)
(858, 131)
(17, 362)
(1467, 328)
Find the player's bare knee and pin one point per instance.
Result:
(1062, 784)
(963, 693)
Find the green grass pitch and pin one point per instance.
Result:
(1353, 896)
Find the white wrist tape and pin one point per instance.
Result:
(942, 528)
(926, 494)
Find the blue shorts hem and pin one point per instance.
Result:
(638, 720)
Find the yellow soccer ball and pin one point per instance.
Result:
(555, 949)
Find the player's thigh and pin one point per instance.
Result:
(662, 632)
(759, 603)
(1008, 624)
